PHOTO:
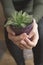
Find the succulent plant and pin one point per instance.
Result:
(20, 22)
(19, 19)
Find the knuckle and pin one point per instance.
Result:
(24, 34)
(34, 45)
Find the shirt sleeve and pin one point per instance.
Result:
(38, 9)
(8, 7)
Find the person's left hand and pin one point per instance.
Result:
(28, 44)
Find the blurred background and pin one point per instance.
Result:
(5, 56)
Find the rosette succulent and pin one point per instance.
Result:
(20, 22)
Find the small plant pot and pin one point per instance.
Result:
(19, 31)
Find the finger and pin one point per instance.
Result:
(20, 37)
(25, 45)
(31, 34)
(16, 38)
(21, 46)
(34, 41)
(23, 36)
(36, 38)
(34, 23)
(29, 42)
(10, 31)
(33, 31)
(12, 37)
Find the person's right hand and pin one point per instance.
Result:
(16, 39)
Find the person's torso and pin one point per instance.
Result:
(26, 5)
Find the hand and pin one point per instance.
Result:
(16, 39)
(34, 35)
(23, 41)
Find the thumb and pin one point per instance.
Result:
(31, 34)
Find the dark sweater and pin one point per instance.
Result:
(34, 6)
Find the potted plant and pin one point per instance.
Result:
(20, 22)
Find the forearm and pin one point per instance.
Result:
(8, 7)
(38, 10)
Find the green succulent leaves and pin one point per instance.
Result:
(19, 19)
